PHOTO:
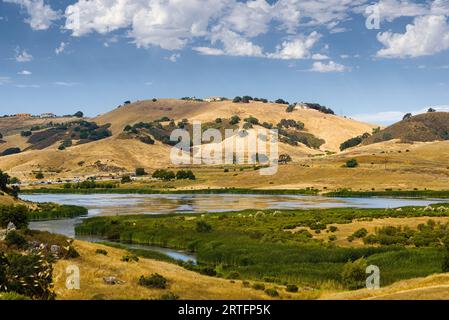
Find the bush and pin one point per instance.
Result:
(39, 176)
(272, 292)
(30, 275)
(130, 258)
(164, 174)
(15, 214)
(203, 227)
(361, 233)
(354, 274)
(185, 174)
(101, 251)
(140, 172)
(234, 120)
(14, 238)
(258, 286)
(292, 288)
(352, 163)
(169, 296)
(333, 229)
(155, 281)
(237, 99)
(126, 179)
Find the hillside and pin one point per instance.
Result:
(14, 125)
(183, 283)
(123, 152)
(333, 129)
(434, 287)
(432, 126)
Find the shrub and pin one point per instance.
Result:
(125, 179)
(203, 227)
(258, 286)
(354, 274)
(292, 288)
(352, 163)
(361, 233)
(101, 251)
(272, 292)
(169, 296)
(140, 172)
(185, 174)
(28, 274)
(15, 214)
(155, 281)
(39, 176)
(234, 120)
(130, 258)
(164, 174)
(14, 238)
(332, 238)
(26, 133)
(333, 229)
(237, 99)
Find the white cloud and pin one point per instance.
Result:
(426, 36)
(41, 15)
(209, 51)
(61, 48)
(229, 25)
(65, 84)
(319, 56)
(235, 44)
(23, 56)
(28, 86)
(174, 57)
(331, 66)
(390, 10)
(24, 73)
(296, 49)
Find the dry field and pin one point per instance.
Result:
(185, 284)
(434, 287)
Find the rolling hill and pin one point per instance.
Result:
(115, 154)
(431, 126)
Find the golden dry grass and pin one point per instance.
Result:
(186, 284)
(428, 288)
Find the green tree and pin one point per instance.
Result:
(140, 172)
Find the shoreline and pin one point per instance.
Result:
(416, 194)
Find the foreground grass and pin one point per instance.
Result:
(257, 245)
(181, 282)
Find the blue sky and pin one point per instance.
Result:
(64, 56)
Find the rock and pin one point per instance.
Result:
(112, 281)
(11, 227)
(55, 249)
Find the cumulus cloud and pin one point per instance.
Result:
(427, 35)
(61, 48)
(229, 25)
(331, 66)
(23, 56)
(24, 73)
(296, 49)
(40, 15)
(319, 56)
(174, 57)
